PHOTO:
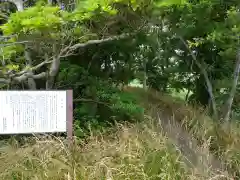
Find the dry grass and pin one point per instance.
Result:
(223, 140)
(136, 152)
(220, 140)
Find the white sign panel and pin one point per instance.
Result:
(23, 112)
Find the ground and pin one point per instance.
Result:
(174, 142)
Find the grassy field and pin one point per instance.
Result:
(136, 152)
(139, 151)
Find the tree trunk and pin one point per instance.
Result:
(144, 76)
(30, 81)
(229, 102)
(210, 91)
(205, 74)
(54, 69)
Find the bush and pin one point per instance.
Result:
(98, 103)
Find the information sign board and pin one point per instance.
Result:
(30, 112)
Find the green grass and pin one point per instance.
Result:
(176, 94)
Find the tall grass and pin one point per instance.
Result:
(221, 139)
(134, 152)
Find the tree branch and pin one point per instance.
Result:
(54, 69)
(4, 81)
(23, 77)
(7, 37)
(92, 42)
(31, 81)
(29, 75)
(13, 43)
(32, 68)
(205, 74)
(55, 62)
(228, 105)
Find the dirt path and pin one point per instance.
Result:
(197, 158)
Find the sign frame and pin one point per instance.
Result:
(69, 114)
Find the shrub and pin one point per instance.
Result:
(98, 103)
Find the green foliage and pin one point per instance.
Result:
(111, 106)
(98, 103)
(45, 20)
(94, 72)
(210, 29)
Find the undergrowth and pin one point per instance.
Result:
(98, 102)
(137, 151)
(134, 151)
(222, 139)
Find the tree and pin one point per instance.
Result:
(194, 30)
(169, 42)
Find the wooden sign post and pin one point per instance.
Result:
(32, 112)
(69, 116)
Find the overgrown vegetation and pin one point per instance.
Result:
(134, 152)
(166, 44)
(97, 48)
